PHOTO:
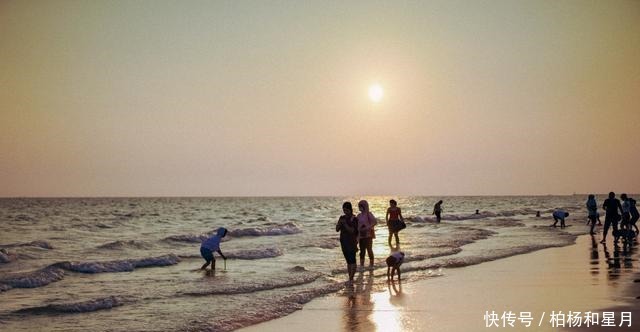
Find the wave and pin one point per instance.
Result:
(32, 279)
(281, 307)
(6, 257)
(74, 307)
(294, 279)
(480, 215)
(119, 265)
(38, 243)
(190, 238)
(255, 253)
(277, 229)
(247, 254)
(461, 236)
(116, 245)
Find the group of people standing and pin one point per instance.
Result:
(358, 231)
(628, 215)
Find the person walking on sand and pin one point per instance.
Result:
(634, 214)
(625, 222)
(348, 227)
(437, 210)
(611, 207)
(366, 232)
(592, 209)
(395, 222)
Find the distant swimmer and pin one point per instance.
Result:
(611, 207)
(393, 264)
(538, 214)
(477, 211)
(592, 211)
(210, 245)
(559, 215)
(395, 222)
(437, 210)
(348, 227)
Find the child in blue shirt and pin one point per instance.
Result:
(210, 245)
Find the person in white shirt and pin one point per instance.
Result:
(393, 264)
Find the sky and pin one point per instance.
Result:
(270, 98)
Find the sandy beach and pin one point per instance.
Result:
(582, 277)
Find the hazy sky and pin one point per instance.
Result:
(155, 98)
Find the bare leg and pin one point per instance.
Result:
(204, 267)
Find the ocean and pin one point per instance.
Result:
(132, 264)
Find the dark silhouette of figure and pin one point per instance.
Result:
(366, 231)
(634, 214)
(559, 215)
(348, 227)
(437, 210)
(395, 221)
(393, 264)
(592, 210)
(626, 213)
(611, 206)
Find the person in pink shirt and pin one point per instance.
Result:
(366, 232)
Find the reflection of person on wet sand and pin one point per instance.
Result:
(395, 292)
(613, 263)
(595, 257)
(358, 302)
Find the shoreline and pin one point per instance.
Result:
(581, 277)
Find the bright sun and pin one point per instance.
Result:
(376, 93)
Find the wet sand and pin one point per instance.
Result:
(582, 277)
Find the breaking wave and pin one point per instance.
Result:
(119, 265)
(74, 307)
(281, 229)
(294, 279)
(38, 243)
(133, 244)
(32, 279)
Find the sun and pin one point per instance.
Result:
(376, 93)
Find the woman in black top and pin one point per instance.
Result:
(348, 227)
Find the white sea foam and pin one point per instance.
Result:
(272, 230)
(292, 279)
(74, 307)
(132, 244)
(32, 279)
(119, 265)
(38, 243)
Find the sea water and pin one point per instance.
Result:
(132, 264)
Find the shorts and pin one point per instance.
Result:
(206, 254)
(391, 261)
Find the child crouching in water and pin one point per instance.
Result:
(393, 264)
(210, 245)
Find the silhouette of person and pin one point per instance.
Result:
(437, 210)
(611, 206)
